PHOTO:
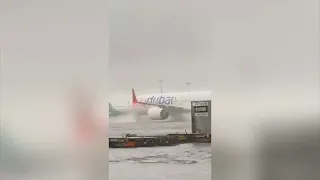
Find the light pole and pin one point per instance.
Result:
(188, 86)
(160, 82)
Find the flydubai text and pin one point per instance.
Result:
(161, 100)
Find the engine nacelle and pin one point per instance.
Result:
(156, 113)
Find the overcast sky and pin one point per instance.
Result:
(226, 46)
(217, 45)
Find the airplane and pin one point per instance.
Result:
(160, 106)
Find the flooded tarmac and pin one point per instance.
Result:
(186, 161)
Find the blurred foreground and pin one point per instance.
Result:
(81, 153)
(282, 148)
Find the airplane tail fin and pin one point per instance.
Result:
(113, 111)
(111, 108)
(134, 97)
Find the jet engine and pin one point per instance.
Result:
(156, 113)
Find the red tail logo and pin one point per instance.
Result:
(134, 98)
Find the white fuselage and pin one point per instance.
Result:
(170, 99)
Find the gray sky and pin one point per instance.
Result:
(246, 51)
(217, 45)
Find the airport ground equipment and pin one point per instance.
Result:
(200, 125)
(201, 117)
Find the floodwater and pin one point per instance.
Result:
(186, 161)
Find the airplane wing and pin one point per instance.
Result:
(169, 108)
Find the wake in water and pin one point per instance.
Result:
(123, 119)
(129, 118)
(170, 119)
